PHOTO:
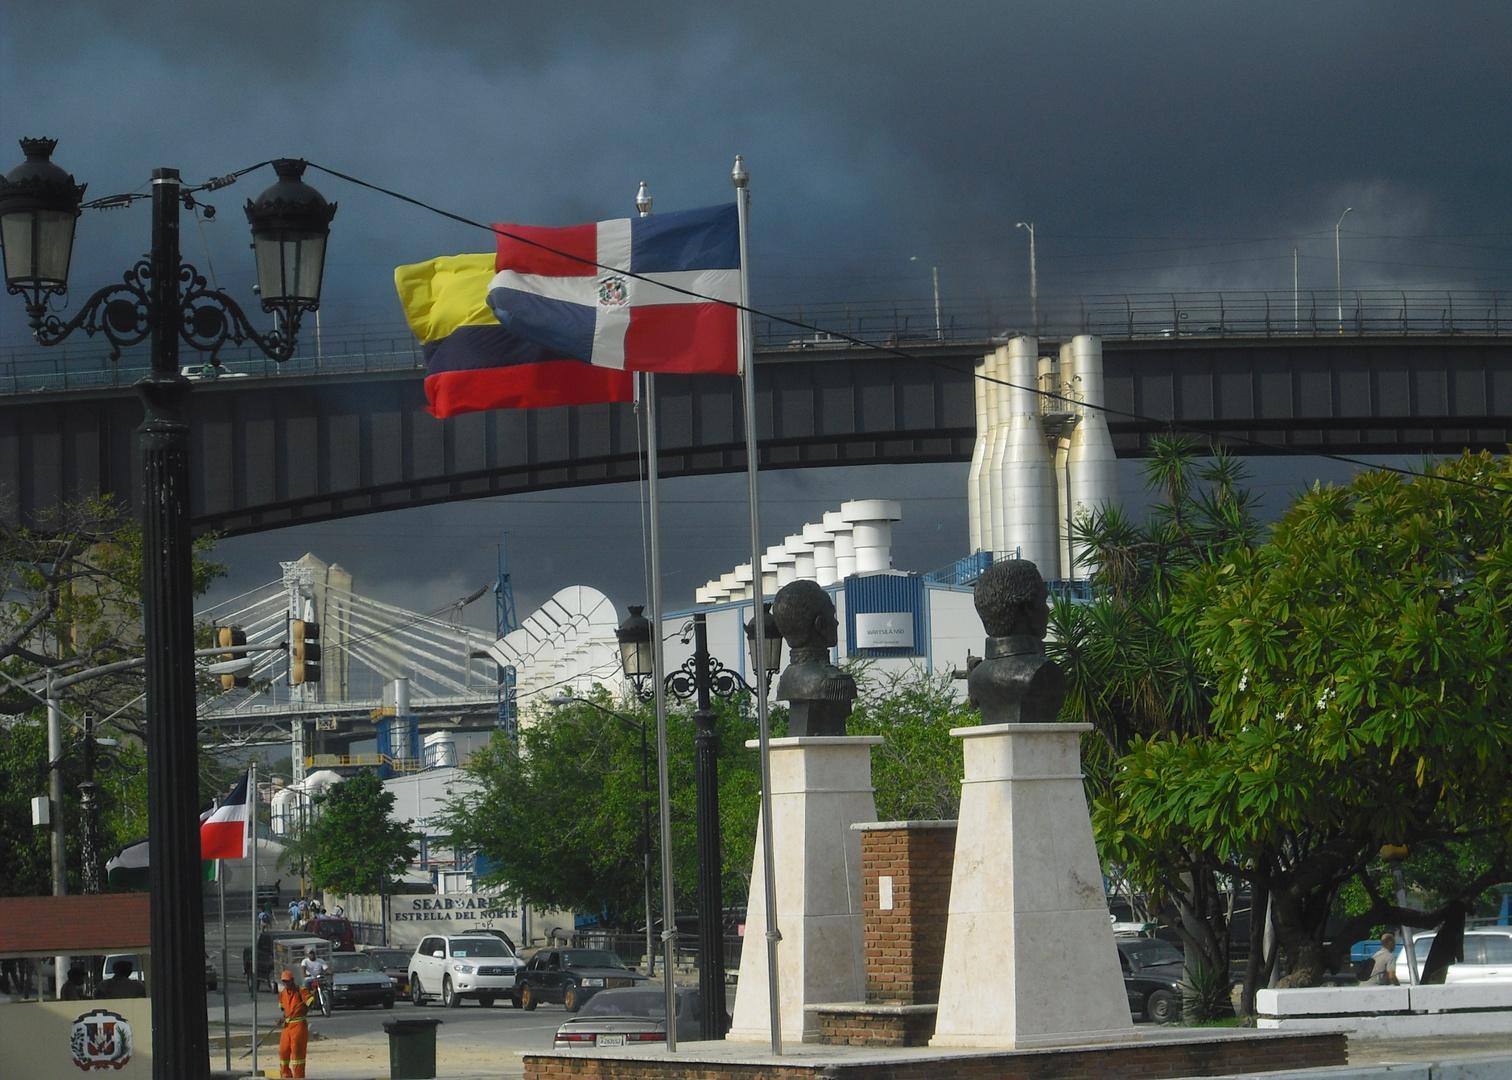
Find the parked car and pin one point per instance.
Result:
(1488, 956)
(572, 977)
(477, 966)
(630, 1016)
(501, 935)
(356, 982)
(395, 964)
(1152, 977)
(335, 929)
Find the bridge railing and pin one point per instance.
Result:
(900, 324)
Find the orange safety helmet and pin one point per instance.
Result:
(287, 976)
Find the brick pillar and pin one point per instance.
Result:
(905, 903)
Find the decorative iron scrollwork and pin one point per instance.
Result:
(209, 320)
(723, 683)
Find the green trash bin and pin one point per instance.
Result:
(412, 1048)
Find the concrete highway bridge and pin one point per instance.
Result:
(345, 432)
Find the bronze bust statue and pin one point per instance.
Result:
(1015, 683)
(818, 694)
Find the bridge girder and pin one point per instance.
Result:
(272, 452)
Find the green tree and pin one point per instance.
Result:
(1361, 696)
(916, 772)
(70, 599)
(351, 844)
(1133, 674)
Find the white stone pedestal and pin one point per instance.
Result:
(820, 787)
(1029, 953)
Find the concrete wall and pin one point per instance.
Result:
(35, 1037)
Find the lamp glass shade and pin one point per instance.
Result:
(290, 266)
(39, 203)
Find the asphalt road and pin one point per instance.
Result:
(468, 1031)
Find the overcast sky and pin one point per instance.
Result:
(1155, 146)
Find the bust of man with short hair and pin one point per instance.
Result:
(819, 695)
(1015, 683)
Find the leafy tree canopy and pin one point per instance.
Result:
(351, 844)
(1358, 666)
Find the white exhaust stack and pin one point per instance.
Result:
(993, 520)
(871, 527)
(768, 574)
(746, 582)
(1028, 478)
(978, 461)
(823, 543)
(1067, 389)
(784, 564)
(803, 556)
(845, 544)
(1091, 464)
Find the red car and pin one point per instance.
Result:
(336, 930)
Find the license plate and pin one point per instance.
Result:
(610, 1040)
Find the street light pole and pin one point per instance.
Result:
(161, 299)
(1339, 270)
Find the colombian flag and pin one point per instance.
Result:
(472, 363)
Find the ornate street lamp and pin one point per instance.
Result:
(165, 301)
(634, 636)
(767, 657)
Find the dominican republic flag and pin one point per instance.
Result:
(635, 294)
(472, 363)
(223, 829)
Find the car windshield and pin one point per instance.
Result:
(346, 961)
(591, 958)
(479, 946)
(1150, 953)
(390, 959)
(651, 1004)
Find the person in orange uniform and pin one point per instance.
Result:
(295, 1002)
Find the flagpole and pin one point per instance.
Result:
(659, 689)
(252, 808)
(742, 179)
(220, 879)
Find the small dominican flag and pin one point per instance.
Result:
(223, 829)
(552, 288)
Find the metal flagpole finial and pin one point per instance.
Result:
(739, 173)
(643, 200)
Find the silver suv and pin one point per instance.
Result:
(1488, 955)
(461, 966)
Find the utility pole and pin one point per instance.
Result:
(1339, 270)
(1033, 274)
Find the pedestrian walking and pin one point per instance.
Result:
(293, 914)
(294, 1042)
(1383, 963)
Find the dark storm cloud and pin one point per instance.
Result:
(1155, 146)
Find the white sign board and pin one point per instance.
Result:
(884, 630)
(412, 917)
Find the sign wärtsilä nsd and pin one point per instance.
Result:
(885, 630)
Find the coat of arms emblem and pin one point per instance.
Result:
(612, 292)
(100, 1040)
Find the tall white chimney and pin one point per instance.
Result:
(1067, 390)
(1091, 464)
(823, 543)
(783, 563)
(1028, 481)
(803, 556)
(746, 585)
(978, 460)
(993, 520)
(768, 574)
(845, 543)
(871, 526)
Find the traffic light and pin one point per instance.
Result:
(304, 661)
(226, 637)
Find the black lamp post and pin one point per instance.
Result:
(167, 301)
(701, 677)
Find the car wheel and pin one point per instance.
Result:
(514, 1001)
(1162, 1007)
(527, 999)
(388, 1003)
(486, 1000)
(417, 993)
(572, 999)
(449, 996)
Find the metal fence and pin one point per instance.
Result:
(631, 948)
(85, 364)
